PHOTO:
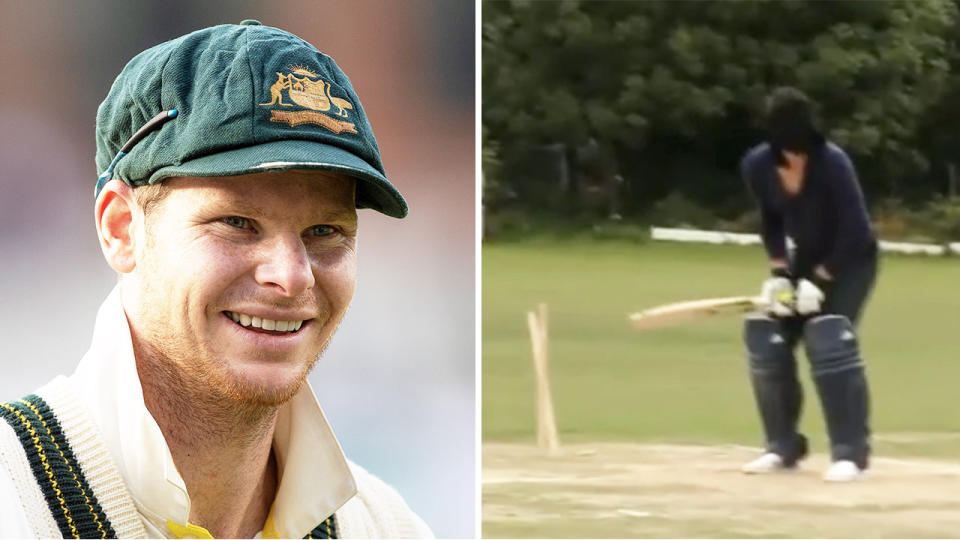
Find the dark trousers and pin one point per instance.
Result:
(780, 397)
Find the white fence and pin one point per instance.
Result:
(720, 237)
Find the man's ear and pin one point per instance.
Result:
(117, 213)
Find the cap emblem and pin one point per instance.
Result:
(305, 88)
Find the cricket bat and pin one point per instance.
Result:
(693, 310)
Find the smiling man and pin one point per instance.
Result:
(235, 159)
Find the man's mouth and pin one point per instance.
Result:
(269, 325)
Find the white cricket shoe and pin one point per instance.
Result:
(764, 464)
(843, 471)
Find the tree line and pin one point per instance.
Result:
(620, 105)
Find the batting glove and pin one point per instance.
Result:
(809, 297)
(778, 293)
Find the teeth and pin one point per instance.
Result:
(266, 324)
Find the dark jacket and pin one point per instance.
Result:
(827, 219)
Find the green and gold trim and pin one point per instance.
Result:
(60, 478)
(327, 529)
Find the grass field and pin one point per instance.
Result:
(688, 385)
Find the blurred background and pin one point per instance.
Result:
(397, 383)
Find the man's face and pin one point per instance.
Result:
(793, 159)
(240, 282)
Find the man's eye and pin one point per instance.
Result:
(321, 230)
(237, 221)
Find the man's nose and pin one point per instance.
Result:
(286, 266)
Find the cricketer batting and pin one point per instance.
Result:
(806, 188)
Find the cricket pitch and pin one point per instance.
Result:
(648, 490)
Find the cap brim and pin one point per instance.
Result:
(374, 191)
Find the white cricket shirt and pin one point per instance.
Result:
(314, 477)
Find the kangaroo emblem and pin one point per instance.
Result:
(304, 88)
(276, 90)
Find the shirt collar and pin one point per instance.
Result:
(314, 478)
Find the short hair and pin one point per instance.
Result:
(790, 120)
(150, 195)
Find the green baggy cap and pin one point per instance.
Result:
(238, 99)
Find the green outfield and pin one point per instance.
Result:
(689, 384)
